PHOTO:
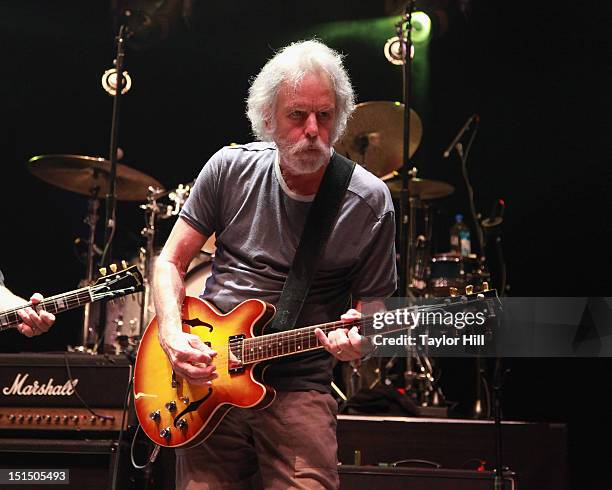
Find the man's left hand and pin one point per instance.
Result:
(35, 323)
(343, 343)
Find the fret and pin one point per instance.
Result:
(279, 344)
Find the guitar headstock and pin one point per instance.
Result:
(118, 283)
(480, 292)
(473, 295)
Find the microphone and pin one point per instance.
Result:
(496, 216)
(474, 118)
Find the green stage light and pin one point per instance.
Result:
(421, 27)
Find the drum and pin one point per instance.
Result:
(450, 270)
(199, 271)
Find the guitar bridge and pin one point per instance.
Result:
(235, 348)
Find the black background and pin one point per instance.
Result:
(534, 73)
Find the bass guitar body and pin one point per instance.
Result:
(174, 413)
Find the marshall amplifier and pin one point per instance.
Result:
(63, 392)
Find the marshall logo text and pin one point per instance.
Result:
(20, 388)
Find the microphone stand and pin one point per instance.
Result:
(407, 203)
(498, 483)
(111, 197)
(405, 173)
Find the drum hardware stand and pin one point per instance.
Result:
(151, 209)
(89, 335)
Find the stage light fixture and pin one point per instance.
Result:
(421, 27)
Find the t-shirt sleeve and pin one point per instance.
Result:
(202, 206)
(376, 275)
(1, 279)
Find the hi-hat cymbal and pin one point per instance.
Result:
(422, 188)
(83, 175)
(374, 136)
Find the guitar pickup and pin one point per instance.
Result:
(235, 348)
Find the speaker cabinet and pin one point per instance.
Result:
(92, 463)
(368, 477)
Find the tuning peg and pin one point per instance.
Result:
(113, 268)
(102, 271)
(485, 286)
(453, 292)
(469, 289)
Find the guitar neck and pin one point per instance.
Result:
(54, 304)
(281, 344)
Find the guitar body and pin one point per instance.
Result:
(200, 407)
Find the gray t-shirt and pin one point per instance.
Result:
(241, 196)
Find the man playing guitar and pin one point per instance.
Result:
(255, 198)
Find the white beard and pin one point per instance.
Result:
(300, 162)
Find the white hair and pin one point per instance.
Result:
(290, 65)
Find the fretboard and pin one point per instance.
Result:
(271, 346)
(54, 304)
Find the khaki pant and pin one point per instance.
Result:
(289, 445)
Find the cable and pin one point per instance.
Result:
(121, 431)
(76, 392)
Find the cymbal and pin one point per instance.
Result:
(374, 136)
(422, 188)
(82, 174)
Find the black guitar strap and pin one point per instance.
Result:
(317, 229)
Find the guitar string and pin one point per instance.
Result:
(72, 300)
(59, 302)
(289, 340)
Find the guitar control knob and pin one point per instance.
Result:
(171, 406)
(185, 400)
(155, 415)
(12, 417)
(165, 433)
(38, 418)
(20, 418)
(29, 418)
(182, 424)
(56, 419)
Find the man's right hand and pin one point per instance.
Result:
(191, 358)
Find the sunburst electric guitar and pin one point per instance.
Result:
(174, 413)
(112, 286)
